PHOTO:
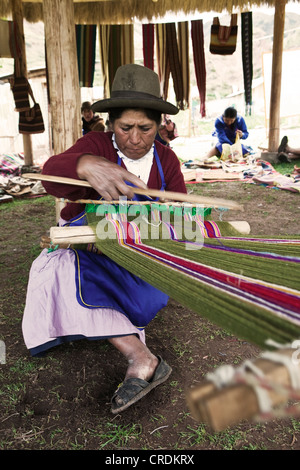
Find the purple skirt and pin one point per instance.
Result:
(52, 314)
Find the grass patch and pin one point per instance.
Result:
(284, 168)
(47, 201)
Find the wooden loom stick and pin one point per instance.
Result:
(223, 407)
(85, 234)
(171, 195)
(72, 235)
(125, 202)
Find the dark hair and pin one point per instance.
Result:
(153, 114)
(86, 105)
(230, 112)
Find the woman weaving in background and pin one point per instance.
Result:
(108, 161)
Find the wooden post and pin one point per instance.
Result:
(62, 72)
(17, 16)
(274, 123)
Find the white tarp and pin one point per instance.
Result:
(290, 90)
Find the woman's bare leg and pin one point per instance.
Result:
(141, 362)
(287, 153)
(213, 152)
(293, 153)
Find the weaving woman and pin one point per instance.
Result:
(112, 303)
(227, 128)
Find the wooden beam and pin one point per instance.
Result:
(17, 16)
(278, 34)
(62, 72)
(85, 234)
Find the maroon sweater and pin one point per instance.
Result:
(100, 143)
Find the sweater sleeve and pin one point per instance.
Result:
(99, 143)
(243, 127)
(65, 164)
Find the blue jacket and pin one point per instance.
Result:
(227, 134)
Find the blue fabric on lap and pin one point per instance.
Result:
(102, 283)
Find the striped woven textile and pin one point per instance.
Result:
(148, 45)
(10, 164)
(114, 52)
(5, 50)
(162, 61)
(174, 62)
(9, 39)
(14, 39)
(247, 54)
(121, 48)
(248, 286)
(104, 33)
(86, 49)
(199, 61)
(223, 38)
(127, 44)
(183, 49)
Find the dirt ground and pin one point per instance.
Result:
(62, 401)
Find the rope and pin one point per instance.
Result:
(228, 375)
(292, 367)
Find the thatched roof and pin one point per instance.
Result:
(123, 11)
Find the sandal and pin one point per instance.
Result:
(283, 158)
(283, 144)
(133, 389)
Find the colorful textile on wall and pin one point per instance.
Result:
(121, 48)
(246, 31)
(168, 57)
(14, 39)
(183, 49)
(20, 89)
(114, 52)
(148, 45)
(223, 38)
(127, 44)
(163, 63)
(104, 32)
(31, 121)
(9, 41)
(175, 65)
(248, 286)
(86, 48)
(199, 61)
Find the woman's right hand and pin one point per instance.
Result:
(107, 178)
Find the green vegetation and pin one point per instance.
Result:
(61, 401)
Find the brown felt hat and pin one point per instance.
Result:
(135, 86)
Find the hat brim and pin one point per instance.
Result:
(159, 105)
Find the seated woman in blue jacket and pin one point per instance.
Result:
(227, 127)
